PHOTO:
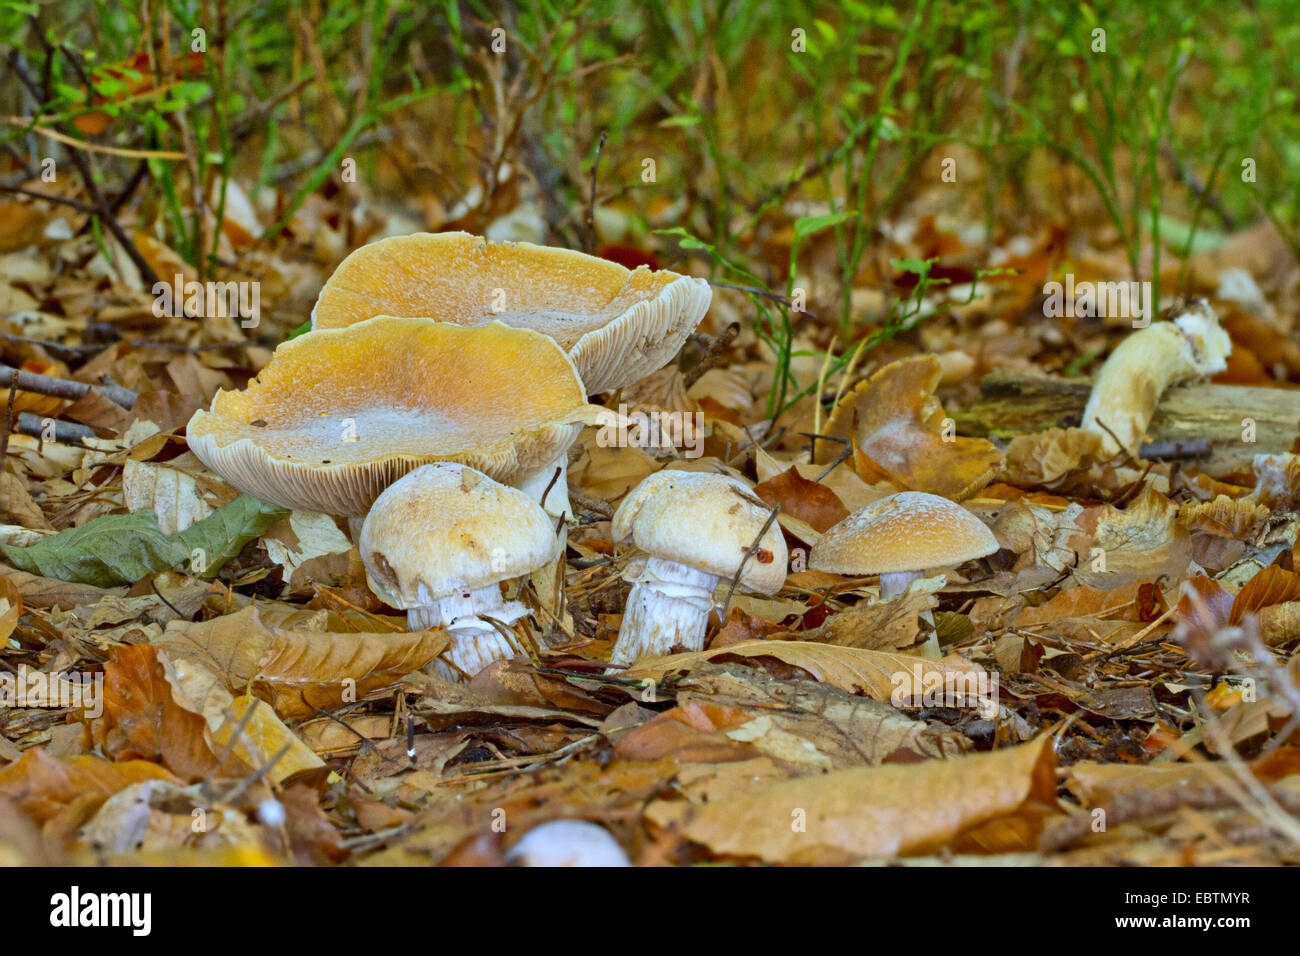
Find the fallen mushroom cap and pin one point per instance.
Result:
(446, 529)
(704, 521)
(618, 325)
(908, 531)
(567, 843)
(339, 415)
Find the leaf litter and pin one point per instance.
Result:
(1130, 648)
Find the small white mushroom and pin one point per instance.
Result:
(698, 529)
(1127, 389)
(567, 843)
(439, 542)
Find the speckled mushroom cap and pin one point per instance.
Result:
(706, 522)
(618, 325)
(445, 529)
(908, 531)
(339, 415)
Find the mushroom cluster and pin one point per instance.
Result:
(616, 324)
(440, 389)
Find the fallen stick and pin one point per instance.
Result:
(64, 433)
(1224, 417)
(66, 388)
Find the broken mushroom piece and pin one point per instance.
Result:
(439, 542)
(617, 324)
(1127, 389)
(697, 528)
(337, 416)
(899, 537)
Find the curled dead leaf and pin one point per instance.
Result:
(861, 813)
(900, 432)
(878, 674)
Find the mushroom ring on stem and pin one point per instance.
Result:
(439, 542)
(697, 529)
(337, 416)
(899, 537)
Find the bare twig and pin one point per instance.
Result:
(713, 356)
(749, 553)
(588, 503)
(761, 293)
(68, 389)
(65, 433)
(9, 419)
(591, 199)
(76, 204)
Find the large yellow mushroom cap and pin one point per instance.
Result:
(339, 415)
(617, 324)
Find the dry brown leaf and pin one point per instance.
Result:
(300, 671)
(344, 736)
(146, 715)
(825, 723)
(1273, 585)
(1085, 602)
(741, 627)
(877, 674)
(43, 785)
(46, 593)
(1224, 517)
(889, 811)
(608, 473)
(15, 499)
(690, 733)
(891, 624)
(900, 432)
(853, 492)
(800, 498)
(1279, 623)
(11, 608)
(169, 493)
(263, 736)
(1042, 459)
(1142, 542)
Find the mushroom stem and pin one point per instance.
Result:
(668, 606)
(553, 495)
(552, 490)
(895, 583)
(475, 643)
(355, 524)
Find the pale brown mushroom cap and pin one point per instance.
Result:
(908, 531)
(707, 522)
(445, 529)
(339, 415)
(617, 324)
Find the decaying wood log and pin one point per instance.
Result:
(1017, 403)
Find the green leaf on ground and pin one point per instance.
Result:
(122, 549)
